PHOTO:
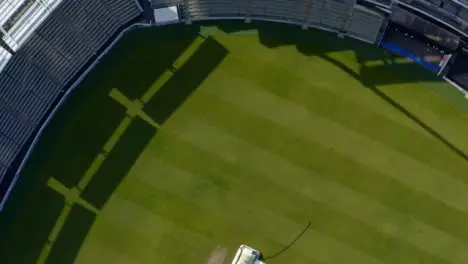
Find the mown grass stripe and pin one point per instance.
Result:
(157, 230)
(257, 189)
(119, 221)
(244, 212)
(113, 237)
(186, 215)
(316, 128)
(439, 114)
(417, 143)
(95, 251)
(311, 155)
(314, 245)
(341, 198)
(287, 71)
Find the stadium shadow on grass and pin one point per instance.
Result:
(273, 34)
(96, 122)
(379, 75)
(101, 115)
(25, 232)
(23, 240)
(311, 42)
(370, 77)
(72, 235)
(91, 125)
(185, 80)
(268, 32)
(115, 167)
(118, 162)
(148, 56)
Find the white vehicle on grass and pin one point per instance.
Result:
(247, 255)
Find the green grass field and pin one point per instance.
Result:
(186, 139)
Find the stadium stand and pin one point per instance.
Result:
(7, 150)
(423, 26)
(445, 12)
(46, 44)
(365, 24)
(29, 75)
(88, 28)
(205, 9)
(292, 10)
(330, 14)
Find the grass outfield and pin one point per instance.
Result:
(181, 143)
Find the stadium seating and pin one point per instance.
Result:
(330, 14)
(334, 15)
(20, 100)
(335, 12)
(7, 150)
(15, 113)
(14, 127)
(203, 9)
(365, 24)
(41, 52)
(63, 41)
(90, 29)
(122, 10)
(292, 10)
(30, 75)
(98, 12)
(451, 14)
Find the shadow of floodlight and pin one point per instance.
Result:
(371, 86)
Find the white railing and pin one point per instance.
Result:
(8, 8)
(5, 56)
(51, 4)
(28, 22)
(463, 91)
(26, 25)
